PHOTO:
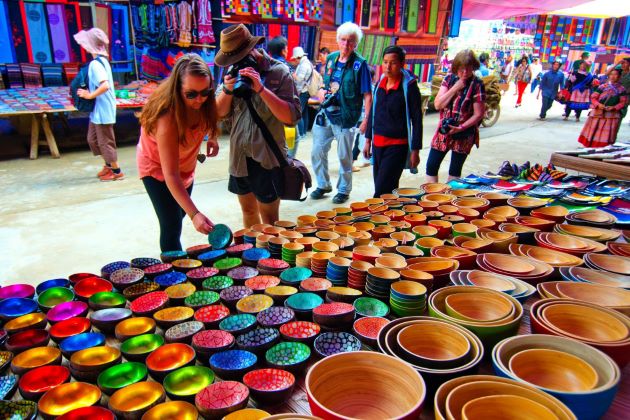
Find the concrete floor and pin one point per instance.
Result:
(57, 218)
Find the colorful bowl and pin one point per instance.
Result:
(303, 304)
(366, 306)
(270, 386)
(185, 383)
(291, 356)
(68, 397)
(105, 300)
(178, 293)
(172, 410)
(300, 331)
(169, 357)
(88, 287)
(133, 327)
(275, 316)
(139, 347)
(15, 307)
(80, 342)
(258, 341)
(107, 319)
(22, 410)
(26, 322)
(67, 310)
(95, 359)
(25, 340)
(45, 285)
(233, 364)
(169, 279)
(68, 328)
(92, 413)
(121, 376)
(34, 383)
(217, 283)
(368, 328)
(334, 315)
(280, 293)
(8, 385)
(25, 291)
(136, 399)
(144, 262)
(201, 298)
(238, 324)
(435, 345)
(208, 342)
(329, 343)
(212, 315)
(233, 294)
(126, 277)
(183, 333)
(140, 289)
(108, 269)
(147, 305)
(254, 304)
(174, 315)
(221, 398)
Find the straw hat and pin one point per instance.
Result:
(94, 41)
(236, 42)
(298, 52)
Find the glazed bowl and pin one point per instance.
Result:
(53, 297)
(136, 399)
(499, 406)
(180, 410)
(168, 317)
(88, 287)
(169, 357)
(67, 397)
(25, 291)
(258, 341)
(184, 332)
(291, 356)
(270, 386)
(35, 320)
(8, 385)
(137, 348)
(364, 385)
(36, 382)
(280, 293)
(147, 305)
(300, 331)
(371, 307)
(434, 345)
(105, 300)
(585, 323)
(303, 304)
(88, 363)
(479, 307)
(254, 304)
(80, 342)
(120, 376)
(68, 328)
(107, 319)
(208, 342)
(275, 316)
(66, 310)
(133, 327)
(12, 308)
(334, 315)
(212, 315)
(219, 399)
(27, 339)
(233, 364)
(140, 289)
(26, 410)
(201, 298)
(368, 328)
(238, 324)
(93, 413)
(178, 293)
(185, 383)
(329, 343)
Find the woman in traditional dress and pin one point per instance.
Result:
(580, 82)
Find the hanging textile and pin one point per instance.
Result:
(85, 11)
(204, 22)
(184, 11)
(391, 15)
(338, 12)
(7, 50)
(73, 23)
(431, 21)
(348, 10)
(38, 31)
(21, 37)
(58, 32)
(274, 30)
(267, 8)
(120, 43)
(366, 11)
(414, 15)
(456, 17)
(103, 19)
(293, 38)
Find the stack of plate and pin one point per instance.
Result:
(290, 250)
(595, 218)
(539, 223)
(516, 288)
(408, 298)
(319, 263)
(593, 233)
(588, 275)
(357, 274)
(465, 257)
(379, 281)
(613, 298)
(609, 263)
(439, 268)
(555, 259)
(303, 259)
(616, 248)
(524, 268)
(337, 271)
(568, 243)
(500, 240)
(275, 246)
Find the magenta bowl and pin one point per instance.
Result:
(17, 291)
(67, 310)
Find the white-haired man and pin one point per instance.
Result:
(347, 88)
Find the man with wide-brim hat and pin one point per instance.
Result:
(275, 99)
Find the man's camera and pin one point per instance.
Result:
(243, 85)
(330, 99)
(445, 125)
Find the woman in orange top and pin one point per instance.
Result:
(174, 121)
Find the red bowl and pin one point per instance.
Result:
(212, 315)
(259, 283)
(68, 328)
(34, 383)
(302, 331)
(88, 413)
(221, 398)
(269, 386)
(169, 357)
(77, 277)
(87, 287)
(25, 340)
(149, 304)
(211, 341)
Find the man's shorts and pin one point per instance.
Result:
(258, 181)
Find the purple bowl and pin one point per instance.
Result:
(126, 277)
(107, 319)
(242, 273)
(67, 310)
(108, 269)
(275, 316)
(144, 262)
(232, 294)
(17, 291)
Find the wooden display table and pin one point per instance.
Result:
(596, 167)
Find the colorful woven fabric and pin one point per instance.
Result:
(70, 70)
(14, 75)
(20, 34)
(7, 51)
(38, 31)
(32, 75)
(58, 32)
(120, 43)
(52, 75)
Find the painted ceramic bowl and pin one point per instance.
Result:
(170, 256)
(95, 359)
(140, 289)
(25, 291)
(108, 269)
(155, 270)
(270, 386)
(68, 328)
(279, 294)
(15, 307)
(35, 320)
(303, 304)
(92, 413)
(170, 279)
(201, 298)
(107, 319)
(258, 341)
(133, 327)
(178, 293)
(174, 315)
(147, 305)
(217, 283)
(81, 341)
(120, 376)
(208, 342)
(368, 328)
(198, 275)
(301, 331)
(291, 356)
(221, 398)
(5, 359)
(183, 333)
(259, 283)
(185, 265)
(275, 316)
(33, 358)
(126, 277)
(48, 284)
(54, 296)
(173, 410)
(90, 286)
(233, 364)
(134, 400)
(138, 348)
(233, 294)
(366, 306)
(144, 262)
(67, 310)
(8, 385)
(25, 340)
(238, 324)
(248, 414)
(77, 277)
(254, 304)
(34, 383)
(330, 343)
(187, 382)
(68, 397)
(168, 358)
(21, 410)
(334, 315)
(106, 300)
(212, 315)
(242, 274)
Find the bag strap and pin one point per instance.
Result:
(266, 134)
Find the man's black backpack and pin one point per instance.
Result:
(82, 81)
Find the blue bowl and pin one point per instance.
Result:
(259, 340)
(108, 269)
(170, 279)
(8, 385)
(208, 258)
(255, 254)
(15, 307)
(238, 324)
(330, 343)
(45, 285)
(295, 275)
(233, 364)
(80, 342)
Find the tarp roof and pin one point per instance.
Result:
(501, 9)
(597, 9)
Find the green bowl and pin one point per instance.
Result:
(54, 296)
(289, 355)
(217, 283)
(138, 348)
(185, 383)
(366, 306)
(201, 298)
(106, 300)
(120, 376)
(227, 264)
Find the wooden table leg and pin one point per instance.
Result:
(50, 138)
(34, 136)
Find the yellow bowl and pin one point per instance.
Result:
(136, 399)
(36, 357)
(254, 304)
(67, 397)
(479, 307)
(134, 326)
(95, 358)
(497, 407)
(35, 320)
(172, 410)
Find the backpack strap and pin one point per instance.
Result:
(266, 134)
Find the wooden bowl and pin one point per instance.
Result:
(393, 263)
(219, 399)
(172, 410)
(36, 382)
(585, 323)
(498, 407)
(364, 385)
(479, 307)
(185, 383)
(508, 263)
(615, 298)
(168, 358)
(139, 347)
(613, 263)
(555, 370)
(408, 289)
(67, 397)
(34, 358)
(495, 199)
(133, 327)
(479, 278)
(555, 213)
(121, 376)
(136, 399)
(434, 345)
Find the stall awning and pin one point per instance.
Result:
(500, 9)
(597, 9)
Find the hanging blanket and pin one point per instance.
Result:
(72, 16)
(38, 31)
(59, 32)
(120, 42)
(7, 50)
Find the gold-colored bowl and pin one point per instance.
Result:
(134, 326)
(35, 320)
(95, 358)
(134, 400)
(172, 410)
(36, 357)
(67, 397)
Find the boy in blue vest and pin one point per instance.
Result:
(347, 85)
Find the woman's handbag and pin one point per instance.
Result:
(292, 177)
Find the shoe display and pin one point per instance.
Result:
(111, 176)
(319, 193)
(340, 198)
(106, 169)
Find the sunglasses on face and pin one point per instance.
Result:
(192, 94)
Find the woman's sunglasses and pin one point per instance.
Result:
(192, 94)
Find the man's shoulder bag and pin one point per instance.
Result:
(292, 177)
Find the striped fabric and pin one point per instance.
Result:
(52, 74)
(15, 76)
(70, 70)
(32, 75)
(3, 73)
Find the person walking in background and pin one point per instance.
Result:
(624, 67)
(303, 74)
(604, 118)
(522, 76)
(100, 136)
(173, 123)
(579, 84)
(483, 68)
(347, 87)
(585, 58)
(278, 49)
(549, 85)
(536, 69)
(461, 102)
(394, 134)
(321, 60)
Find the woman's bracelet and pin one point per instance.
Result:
(262, 87)
(192, 217)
